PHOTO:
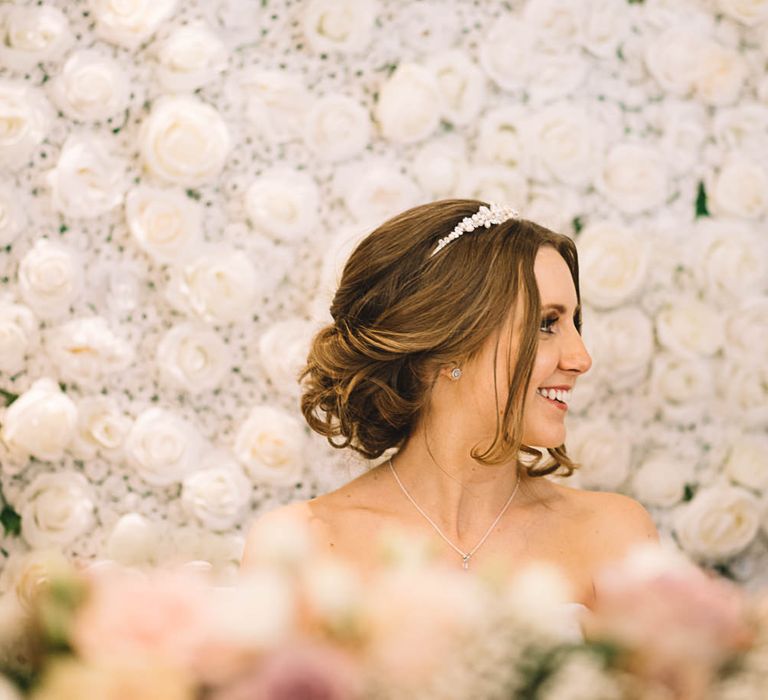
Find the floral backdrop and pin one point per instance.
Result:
(181, 183)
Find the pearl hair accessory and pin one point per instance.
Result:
(485, 216)
(455, 373)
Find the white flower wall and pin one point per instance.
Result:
(182, 181)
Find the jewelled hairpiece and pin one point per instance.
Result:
(485, 216)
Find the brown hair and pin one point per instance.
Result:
(399, 315)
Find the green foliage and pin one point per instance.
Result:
(11, 521)
(701, 201)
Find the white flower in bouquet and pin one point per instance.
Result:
(18, 333)
(743, 127)
(426, 26)
(556, 24)
(493, 183)
(375, 190)
(672, 58)
(606, 26)
(603, 452)
(337, 128)
(556, 75)
(501, 138)
(162, 447)
(283, 203)
(133, 541)
(633, 178)
(55, 509)
(553, 206)
(749, 12)
(86, 350)
(661, 478)
(188, 57)
(25, 119)
(721, 76)
(720, 522)
(193, 357)
(12, 215)
(217, 494)
(682, 386)
(746, 332)
(338, 25)
(89, 179)
(690, 328)
(740, 188)
(408, 108)
(41, 422)
(270, 445)
(165, 223)
(101, 428)
(439, 163)
(128, 23)
(746, 393)
(32, 35)
(333, 591)
(90, 87)
(219, 285)
(283, 350)
(684, 126)
(746, 463)
(613, 261)
(184, 141)
(461, 83)
(505, 53)
(276, 104)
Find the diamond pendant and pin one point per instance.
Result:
(466, 561)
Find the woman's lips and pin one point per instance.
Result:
(557, 404)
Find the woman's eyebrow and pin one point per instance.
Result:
(559, 308)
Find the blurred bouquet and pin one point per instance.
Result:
(302, 627)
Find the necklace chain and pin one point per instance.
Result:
(465, 556)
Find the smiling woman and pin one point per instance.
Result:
(455, 347)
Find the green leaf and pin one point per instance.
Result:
(701, 201)
(8, 397)
(577, 224)
(688, 492)
(11, 521)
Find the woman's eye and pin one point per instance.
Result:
(547, 323)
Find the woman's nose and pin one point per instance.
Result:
(575, 356)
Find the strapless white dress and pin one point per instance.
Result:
(571, 627)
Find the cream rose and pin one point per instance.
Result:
(746, 333)
(740, 189)
(86, 350)
(408, 108)
(505, 53)
(690, 328)
(720, 522)
(165, 223)
(88, 180)
(276, 104)
(375, 190)
(461, 84)
(217, 495)
(338, 25)
(31, 35)
(558, 75)
(606, 26)
(721, 76)
(25, 119)
(493, 183)
(730, 266)
(90, 87)
(161, 447)
(283, 350)
(50, 278)
(746, 462)
(337, 128)
(553, 206)
(18, 332)
(613, 263)
(603, 452)
(189, 57)
(101, 428)
(749, 12)
(682, 386)
(672, 58)
(633, 178)
(40, 423)
(746, 393)
(426, 26)
(218, 285)
(556, 24)
(12, 216)
(133, 541)
(439, 163)
(684, 127)
(501, 138)
(184, 141)
(269, 445)
(128, 23)
(743, 127)
(660, 479)
(283, 203)
(193, 358)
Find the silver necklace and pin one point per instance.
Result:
(465, 556)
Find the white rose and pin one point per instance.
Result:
(337, 128)
(88, 180)
(606, 26)
(50, 278)
(746, 393)
(743, 127)
(189, 57)
(564, 142)
(133, 541)
(184, 141)
(90, 87)
(721, 76)
(283, 350)
(746, 463)
(438, 164)
(18, 331)
(270, 445)
(672, 59)
(461, 84)
(12, 216)
(660, 480)
(681, 388)
(555, 76)
(603, 452)
(746, 332)
(31, 35)
(633, 178)
(493, 183)
(505, 53)
(193, 358)
(55, 509)
(553, 207)
(556, 24)
(284, 204)
(276, 104)
(718, 523)
(128, 23)
(165, 223)
(338, 25)
(740, 189)
(219, 285)
(690, 328)
(85, 351)
(684, 129)
(613, 262)
(408, 108)
(41, 422)
(426, 26)
(501, 138)
(217, 495)
(749, 12)
(101, 428)
(161, 447)
(25, 118)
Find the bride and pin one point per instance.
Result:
(455, 348)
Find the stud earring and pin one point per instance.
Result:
(455, 373)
